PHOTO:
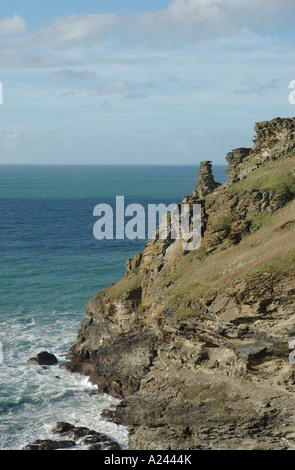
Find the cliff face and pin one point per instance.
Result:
(196, 343)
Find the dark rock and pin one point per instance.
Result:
(105, 446)
(94, 439)
(110, 416)
(44, 358)
(77, 432)
(128, 357)
(48, 444)
(99, 441)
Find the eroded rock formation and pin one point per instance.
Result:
(206, 183)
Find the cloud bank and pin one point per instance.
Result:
(182, 21)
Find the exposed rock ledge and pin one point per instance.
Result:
(78, 436)
(196, 343)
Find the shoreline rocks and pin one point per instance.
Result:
(43, 358)
(48, 444)
(78, 436)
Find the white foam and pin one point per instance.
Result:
(33, 398)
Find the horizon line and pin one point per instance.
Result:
(110, 164)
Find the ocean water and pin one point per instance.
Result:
(50, 266)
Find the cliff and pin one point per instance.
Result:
(195, 343)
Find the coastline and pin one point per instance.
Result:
(190, 341)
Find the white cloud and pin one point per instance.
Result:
(103, 66)
(75, 30)
(12, 25)
(196, 20)
(69, 40)
(182, 20)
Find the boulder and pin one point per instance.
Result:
(44, 358)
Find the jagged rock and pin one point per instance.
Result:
(43, 358)
(206, 183)
(70, 430)
(110, 415)
(234, 159)
(134, 263)
(270, 134)
(88, 437)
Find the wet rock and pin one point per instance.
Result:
(47, 444)
(77, 432)
(44, 358)
(99, 441)
(105, 446)
(95, 440)
(110, 416)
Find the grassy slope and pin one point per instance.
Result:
(270, 250)
(276, 177)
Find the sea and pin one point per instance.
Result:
(51, 265)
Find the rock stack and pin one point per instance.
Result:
(206, 183)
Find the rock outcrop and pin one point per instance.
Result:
(196, 343)
(234, 159)
(206, 183)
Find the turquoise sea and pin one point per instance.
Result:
(50, 266)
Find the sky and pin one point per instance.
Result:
(141, 82)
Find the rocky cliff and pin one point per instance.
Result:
(195, 343)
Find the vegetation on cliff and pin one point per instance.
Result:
(196, 343)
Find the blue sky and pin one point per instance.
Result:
(108, 82)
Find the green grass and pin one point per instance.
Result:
(279, 266)
(124, 286)
(269, 249)
(223, 223)
(275, 177)
(183, 312)
(259, 219)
